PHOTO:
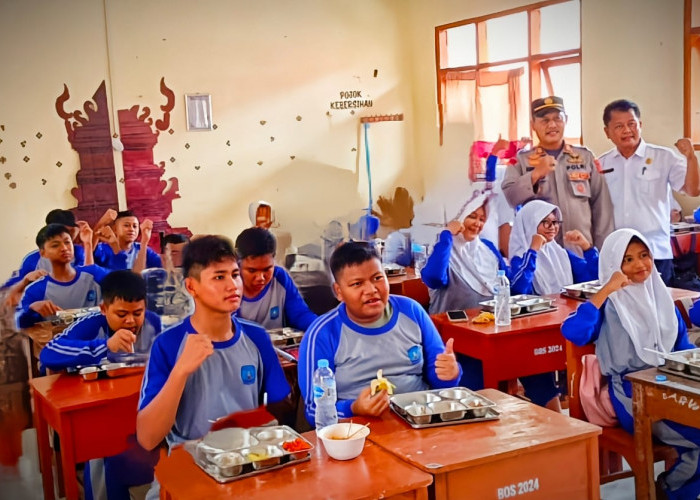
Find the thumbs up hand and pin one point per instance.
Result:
(446, 367)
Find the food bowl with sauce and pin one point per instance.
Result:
(338, 446)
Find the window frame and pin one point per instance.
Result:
(536, 63)
(688, 34)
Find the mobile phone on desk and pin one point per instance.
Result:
(457, 316)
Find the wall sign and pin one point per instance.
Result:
(351, 99)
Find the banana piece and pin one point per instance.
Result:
(484, 317)
(380, 383)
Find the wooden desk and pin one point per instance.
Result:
(93, 420)
(677, 399)
(529, 451)
(530, 345)
(410, 285)
(374, 474)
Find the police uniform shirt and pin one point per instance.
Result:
(82, 291)
(232, 379)
(575, 186)
(278, 304)
(405, 349)
(84, 342)
(642, 185)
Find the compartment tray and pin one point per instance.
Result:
(491, 414)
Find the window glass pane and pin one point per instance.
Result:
(566, 83)
(695, 14)
(560, 27)
(506, 37)
(461, 46)
(502, 99)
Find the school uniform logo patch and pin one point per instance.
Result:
(91, 296)
(275, 312)
(415, 354)
(248, 374)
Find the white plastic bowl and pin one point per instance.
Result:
(343, 449)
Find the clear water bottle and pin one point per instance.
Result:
(324, 395)
(502, 299)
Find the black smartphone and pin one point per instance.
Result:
(457, 316)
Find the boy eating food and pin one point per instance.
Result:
(369, 331)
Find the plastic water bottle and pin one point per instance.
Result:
(502, 299)
(324, 395)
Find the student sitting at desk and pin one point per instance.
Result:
(33, 261)
(368, 331)
(211, 364)
(118, 248)
(270, 297)
(547, 269)
(631, 313)
(122, 325)
(65, 287)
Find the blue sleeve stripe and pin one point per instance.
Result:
(310, 337)
(523, 266)
(75, 351)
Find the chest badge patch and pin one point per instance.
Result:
(275, 312)
(415, 354)
(91, 296)
(248, 374)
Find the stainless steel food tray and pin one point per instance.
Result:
(683, 363)
(441, 407)
(582, 291)
(110, 370)
(285, 336)
(208, 451)
(523, 305)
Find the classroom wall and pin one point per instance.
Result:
(272, 68)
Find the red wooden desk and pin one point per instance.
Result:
(530, 345)
(374, 474)
(92, 418)
(529, 451)
(677, 399)
(410, 285)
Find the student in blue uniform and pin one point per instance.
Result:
(211, 364)
(368, 331)
(633, 311)
(119, 249)
(270, 297)
(122, 325)
(33, 261)
(547, 270)
(461, 272)
(65, 287)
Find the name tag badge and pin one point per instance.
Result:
(581, 189)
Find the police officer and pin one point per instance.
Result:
(564, 175)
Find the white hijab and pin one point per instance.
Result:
(473, 260)
(553, 270)
(646, 310)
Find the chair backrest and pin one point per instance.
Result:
(574, 366)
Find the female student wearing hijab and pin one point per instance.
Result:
(460, 273)
(547, 270)
(633, 311)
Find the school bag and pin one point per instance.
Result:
(595, 398)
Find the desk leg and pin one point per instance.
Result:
(70, 479)
(490, 376)
(644, 480)
(45, 453)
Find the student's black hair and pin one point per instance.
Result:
(204, 250)
(255, 242)
(173, 238)
(637, 239)
(352, 253)
(49, 231)
(620, 105)
(124, 213)
(125, 285)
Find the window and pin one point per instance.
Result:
(490, 68)
(691, 83)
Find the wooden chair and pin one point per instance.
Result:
(614, 443)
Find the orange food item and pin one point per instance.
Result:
(297, 445)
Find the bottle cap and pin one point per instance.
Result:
(322, 363)
(501, 272)
(661, 378)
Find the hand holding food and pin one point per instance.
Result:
(370, 405)
(381, 383)
(483, 318)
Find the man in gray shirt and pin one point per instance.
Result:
(561, 174)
